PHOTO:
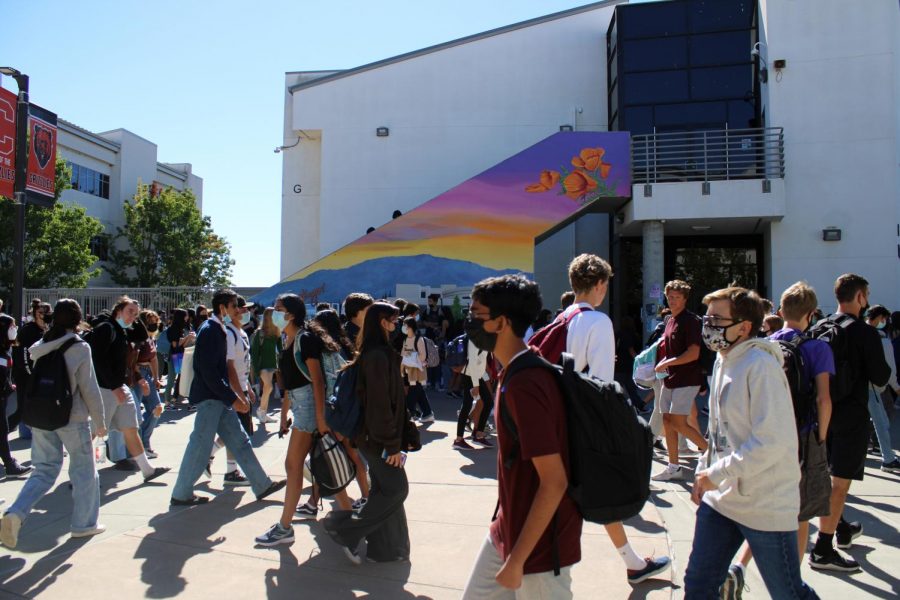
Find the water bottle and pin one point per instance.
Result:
(100, 450)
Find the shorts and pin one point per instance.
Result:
(678, 401)
(303, 407)
(847, 451)
(119, 416)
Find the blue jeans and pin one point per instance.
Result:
(214, 417)
(47, 459)
(882, 426)
(717, 539)
(150, 402)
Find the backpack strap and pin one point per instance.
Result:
(528, 361)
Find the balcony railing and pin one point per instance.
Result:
(713, 155)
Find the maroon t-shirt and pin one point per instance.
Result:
(535, 404)
(681, 333)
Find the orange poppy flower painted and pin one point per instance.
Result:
(591, 159)
(548, 180)
(578, 184)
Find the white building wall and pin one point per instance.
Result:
(451, 114)
(840, 119)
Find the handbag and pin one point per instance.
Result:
(410, 440)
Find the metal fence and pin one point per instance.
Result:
(713, 155)
(94, 300)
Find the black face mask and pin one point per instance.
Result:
(482, 339)
(153, 327)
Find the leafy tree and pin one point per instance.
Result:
(167, 242)
(57, 241)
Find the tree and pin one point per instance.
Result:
(167, 242)
(57, 241)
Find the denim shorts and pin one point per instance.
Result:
(303, 407)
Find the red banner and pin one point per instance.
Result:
(41, 181)
(7, 142)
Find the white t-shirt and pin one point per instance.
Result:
(239, 352)
(591, 341)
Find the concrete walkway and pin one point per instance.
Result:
(151, 551)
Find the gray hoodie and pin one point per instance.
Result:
(86, 400)
(753, 457)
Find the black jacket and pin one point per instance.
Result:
(380, 390)
(109, 351)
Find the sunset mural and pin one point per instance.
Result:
(482, 227)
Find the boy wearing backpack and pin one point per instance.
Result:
(535, 517)
(858, 360)
(811, 398)
(748, 484)
(589, 338)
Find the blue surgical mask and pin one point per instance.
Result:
(122, 323)
(279, 319)
(245, 318)
(880, 325)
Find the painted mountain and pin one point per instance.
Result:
(483, 227)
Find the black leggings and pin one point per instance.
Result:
(6, 425)
(487, 404)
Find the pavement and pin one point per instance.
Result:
(152, 551)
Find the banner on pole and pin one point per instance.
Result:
(41, 181)
(7, 142)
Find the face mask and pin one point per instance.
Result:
(245, 318)
(404, 330)
(862, 311)
(122, 324)
(11, 333)
(880, 325)
(482, 339)
(153, 327)
(714, 336)
(278, 319)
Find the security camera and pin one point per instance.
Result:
(277, 150)
(755, 51)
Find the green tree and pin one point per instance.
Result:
(167, 242)
(57, 241)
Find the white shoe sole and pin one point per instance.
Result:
(88, 533)
(9, 530)
(284, 540)
(833, 567)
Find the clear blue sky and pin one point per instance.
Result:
(205, 81)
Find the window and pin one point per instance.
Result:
(100, 247)
(655, 53)
(89, 181)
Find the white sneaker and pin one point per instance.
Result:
(670, 474)
(9, 530)
(89, 532)
(264, 418)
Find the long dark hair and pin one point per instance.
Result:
(294, 304)
(67, 317)
(372, 335)
(331, 323)
(179, 320)
(6, 322)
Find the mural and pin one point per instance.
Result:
(481, 228)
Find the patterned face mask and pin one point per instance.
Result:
(714, 335)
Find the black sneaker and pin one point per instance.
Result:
(846, 533)
(276, 485)
(832, 561)
(16, 470)
(654, 567)
(235, 479)
(733, 588)
(157, 472)
(891, 467)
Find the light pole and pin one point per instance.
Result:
(19, 199)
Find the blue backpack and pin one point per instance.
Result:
(457, 351)
(343, 412)
(163, 345)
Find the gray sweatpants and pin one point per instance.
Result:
(482, 584)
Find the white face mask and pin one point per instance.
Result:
(404, 330)
(11, 333)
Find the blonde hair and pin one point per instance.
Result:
(268, 326)
(798, 301)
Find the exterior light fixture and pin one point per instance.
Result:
(382, 132)
(831, 234)
(566, 128)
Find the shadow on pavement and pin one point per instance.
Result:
(642, 590)
(42, 573)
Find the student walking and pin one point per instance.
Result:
(590, 340)
(147, 371)
(179, 336)
(382, 521)
(305, 343)
(524, 556)
(414, 370)
(859, 361)
(216, 403)
(878, 317)
(748, 485)
(476, 388)
(265, 348)
(8, 333)
(75, 437)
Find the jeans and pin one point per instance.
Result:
(717, 539)
(467, 400)
(170, 381)
(882, 426)
(150, 402)
(47, 459)
(214, 417)
(416, 395)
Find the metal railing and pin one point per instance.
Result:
(713, 155)
(94, 300)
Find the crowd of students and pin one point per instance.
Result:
(767, 466)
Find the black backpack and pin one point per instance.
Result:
(833, 331)
(330, 465)
(49, 393)
(610, 446)
(803, 391)
(457, 352)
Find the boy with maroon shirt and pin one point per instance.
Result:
(536, 519)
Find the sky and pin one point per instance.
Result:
(204, 81)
